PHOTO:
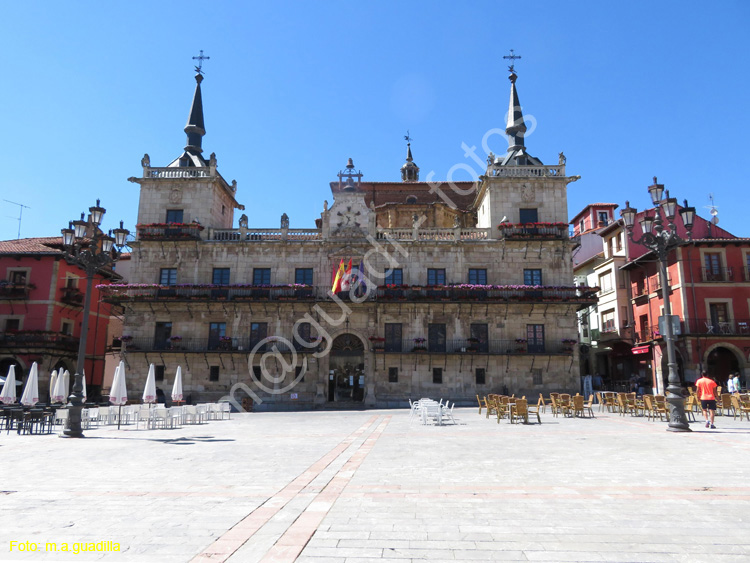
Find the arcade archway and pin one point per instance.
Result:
(346, 381)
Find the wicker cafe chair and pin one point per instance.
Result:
(660, 406)
(740, 408)
(576, 405)
(480, 404)
(590, 406)
(491, 402)
(541, 405)
(503, 409)
(724, 405)
(648, 402)
(555, 405)
(565, 404)
(519, 411)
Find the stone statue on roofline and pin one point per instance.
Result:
(284, 221)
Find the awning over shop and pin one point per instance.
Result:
(641, 350)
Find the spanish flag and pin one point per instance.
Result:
(337, 278)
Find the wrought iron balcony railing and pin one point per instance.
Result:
(11, 290)
(467, 346)
(24, 339)
(737, 327)
(170, 231)
(72, 296)
(717, 274)
(536, 231)
(456, 293)
(243, 344)
(407, 346)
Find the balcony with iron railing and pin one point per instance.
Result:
(646, 333)
(469, 346)
(37, 339)
(117, 293)
(14, 290)
(169, 231)
(71, 296)
(534, 231)
(717, 274)
(243, 344)
(715, 327)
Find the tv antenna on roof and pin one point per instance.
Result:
(20, 213)
(714, 210)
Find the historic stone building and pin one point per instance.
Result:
(455, 289)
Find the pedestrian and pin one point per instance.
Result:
(706, 390)
(730, 384)
(736, 382)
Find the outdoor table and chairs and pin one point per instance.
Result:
(430, 411)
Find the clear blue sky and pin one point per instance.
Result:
(627, 90)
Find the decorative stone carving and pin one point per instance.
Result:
(528, 193)
(284, 221)
(243, 221)
(146, 161)
(561, 158)
(212, 160)
(175, 195)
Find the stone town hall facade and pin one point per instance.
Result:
(477, 295)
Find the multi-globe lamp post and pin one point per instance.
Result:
(91, 253)
(661, 239)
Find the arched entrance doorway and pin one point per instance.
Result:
(720, 363)
(346, 381)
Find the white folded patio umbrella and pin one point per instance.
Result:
(52, 381)
(83, 379)
(60, 392)
(8, 394)
(177, 387)
(66, 382)
(149, 393)
(118, 394)
(30, 395)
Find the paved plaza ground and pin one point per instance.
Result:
(360, 486)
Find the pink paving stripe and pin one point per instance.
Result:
(294, 540)
(234, 538)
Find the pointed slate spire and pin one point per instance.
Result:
(195, 128)
(515, 128)
(409, 171)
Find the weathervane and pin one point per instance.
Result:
(200, 58)
(512, 58)
(407, 137)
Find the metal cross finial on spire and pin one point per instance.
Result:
(200, 58)
(512, 58)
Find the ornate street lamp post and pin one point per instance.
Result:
(661, 240)
(90, 253)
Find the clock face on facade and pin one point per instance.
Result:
(348, 218)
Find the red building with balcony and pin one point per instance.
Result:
(41, 311)
(710, 292)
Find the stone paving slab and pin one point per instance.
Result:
(354, 487)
